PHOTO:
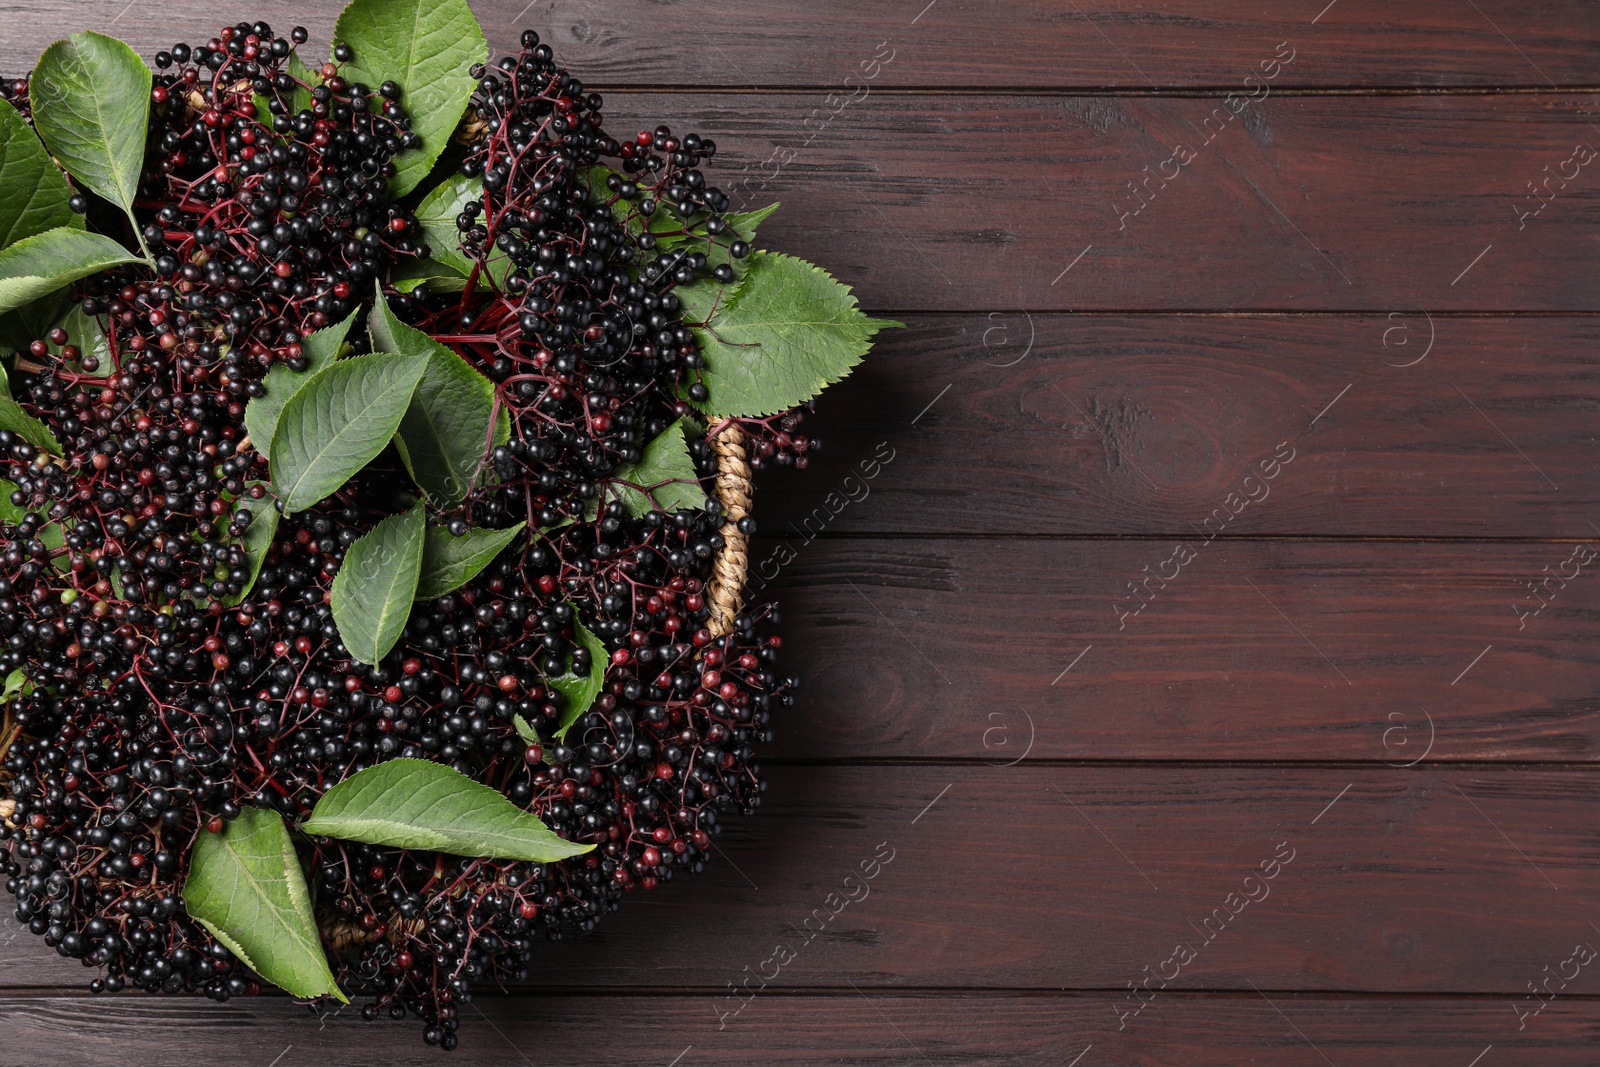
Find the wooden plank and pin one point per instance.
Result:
(1303, 202)
(1344, 202)
(955, 648)
(1007, 422)
(1049, 877)
(1029, 43)
(816, 1031)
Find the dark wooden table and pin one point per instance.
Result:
(1200, 633)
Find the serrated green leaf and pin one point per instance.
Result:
(19, 422)
(33, 192)
(413, 803)
(85, 332)
(338, 422)
(449, 562)
(438, 277)
(744, 223)
(376, 583)
(257, 539)
(706, 296)
(665, 478)
(16, 686)
(524, 731)
(31, 321)
(701, 299)
(436, 217)
(595, 177)
(791, 331)
(741, 226)
(245, 885)
(674, 233)
(91, 104)
(581, 689)
(427, 47)
(306, 79)
(445, 433)
(323, 346)
(262, 413)
(9, 512)
(48, 261)
(664, 224)
(298, 98)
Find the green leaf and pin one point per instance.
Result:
(789, 332)
(257, 539)
(436, 217)
(297, 99)
(744, 223)
(741, 226)
(85, 332)
(376, 583)
(707, 295)
(338, 422)
(666, 473)
(524, 731)
(53, 536)
(48, 261)
(427, 47)
(300, 96)
(91, 104)
(446, 431)
(414, 803)
(13, 418)
(262, 413)
(16, 685)
(449, 562)
(9, 512)
(245, 885)
(581, 689)
(323, 347)
(438, 277)
(33, 192)
(31, 321)
(664, 223)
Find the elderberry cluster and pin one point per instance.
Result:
(166, 687)
(267, 230)
(573, 310)
(14, 91)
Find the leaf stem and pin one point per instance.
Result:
(138, 235)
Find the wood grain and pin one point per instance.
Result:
(880, 1030)
(1344, 202)
(1302, 202)
(968, 608)
(1182, 44)
(1037, 877)
(1142, 425)
(1277, 650)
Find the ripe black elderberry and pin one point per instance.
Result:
(161, 696)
